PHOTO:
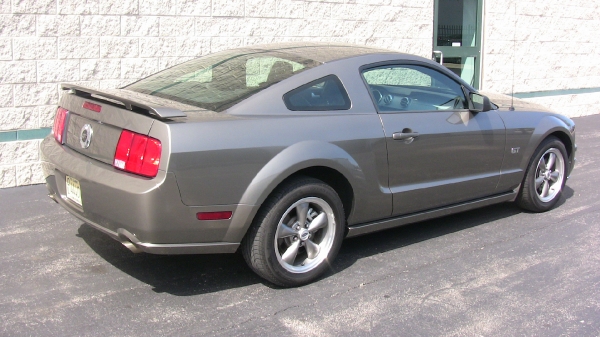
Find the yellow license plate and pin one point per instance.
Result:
(74, 190)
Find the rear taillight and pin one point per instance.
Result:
(137, 153)
(59, 124)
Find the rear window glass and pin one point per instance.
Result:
(218, 81)
(326, 93)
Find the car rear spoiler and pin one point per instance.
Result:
(130, 104)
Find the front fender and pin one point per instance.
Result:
(547, 126)
(523, 136)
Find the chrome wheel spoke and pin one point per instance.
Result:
(312, 249)
(551, 161)
(285, 231)
(302, 212)
(319, 222)
(545, 189)
(554, 176)
(290, 253)
(538, 182)
(542, 164)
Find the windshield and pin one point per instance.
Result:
(218, 81)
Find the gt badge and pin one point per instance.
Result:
(515, 150)
(85, 137)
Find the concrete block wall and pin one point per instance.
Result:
(109, 43)
(551, 46)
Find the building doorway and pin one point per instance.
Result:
(457, 37)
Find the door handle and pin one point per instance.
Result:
(435, 52)
(405, 135)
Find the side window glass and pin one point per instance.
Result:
(413, 88)
(326, 93)
(398, 76)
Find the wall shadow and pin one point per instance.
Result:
(188, 275)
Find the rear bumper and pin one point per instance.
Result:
(131, 241)
(143, 214)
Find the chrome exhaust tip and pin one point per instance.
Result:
(53, 197)
(129, 240)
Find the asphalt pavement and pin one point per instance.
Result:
(495, 271)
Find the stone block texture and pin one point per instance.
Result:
(542, 45)
(110, 43)
(547, 44)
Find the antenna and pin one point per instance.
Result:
(512, 90)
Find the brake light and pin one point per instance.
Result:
(58, 129)
(137, 153)
(92, 106)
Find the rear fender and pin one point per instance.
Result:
(289, 161)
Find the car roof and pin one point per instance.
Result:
(330, 52)
(323, 52)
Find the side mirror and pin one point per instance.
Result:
(479, 103)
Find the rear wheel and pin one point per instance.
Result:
(296, 234)
(545, 177)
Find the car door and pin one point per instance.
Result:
(439, 153)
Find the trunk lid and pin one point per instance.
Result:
(96, 118)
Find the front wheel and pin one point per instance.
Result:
(545, 177)
(296, 234)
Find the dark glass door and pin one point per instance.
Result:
(457, 37)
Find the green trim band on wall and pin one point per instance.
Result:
(11, 136)
(546, 93)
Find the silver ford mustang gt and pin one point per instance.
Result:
(281, 151)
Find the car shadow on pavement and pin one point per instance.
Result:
(360, 247)
(180, 275)
(187, 275)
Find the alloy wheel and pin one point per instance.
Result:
(305, 235)
(550, 173)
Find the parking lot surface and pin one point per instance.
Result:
(495, 271)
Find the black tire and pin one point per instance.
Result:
(543, 184)
(273, 258)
